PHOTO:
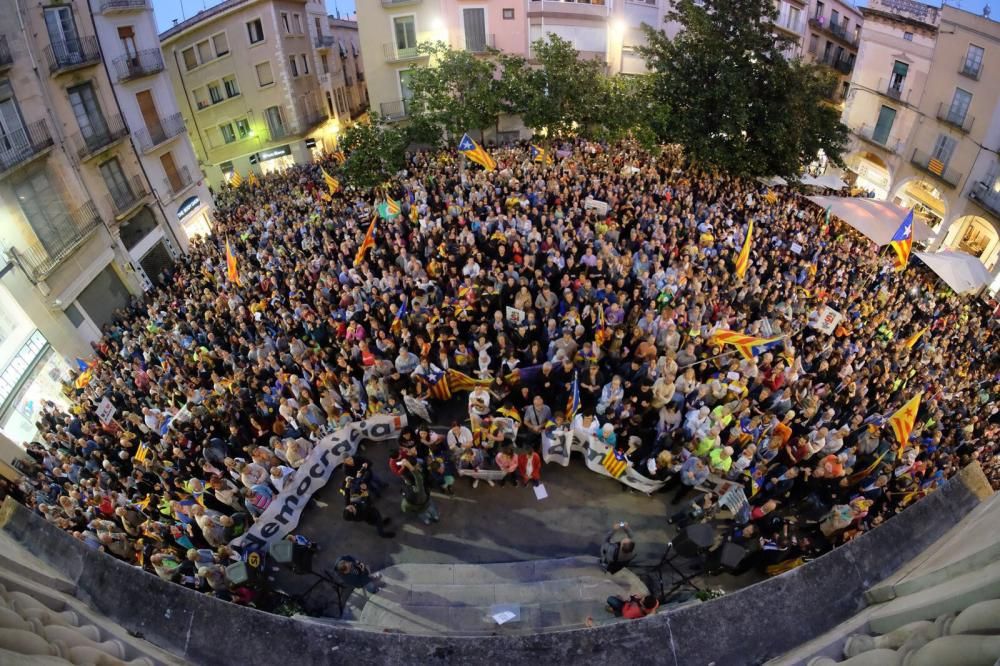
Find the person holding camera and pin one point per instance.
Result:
(615, 555)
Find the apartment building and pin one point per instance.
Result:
(245, 75)
(84, 223)
(833, 35)
(338, 62)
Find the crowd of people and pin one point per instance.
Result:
(519, 280)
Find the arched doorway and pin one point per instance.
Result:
(977, 236)
(873, 174)
(925, 199)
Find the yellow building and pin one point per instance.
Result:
(245, 74)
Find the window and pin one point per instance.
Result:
(834, 17)
(324, 63)
(89, 117)
(13, 138)
(285, 24)
(126, 34)
(255, 31)
(221, 44)
(190, 59)
(170, 169)
(899, 72)
(226, 168)
(204, 52)
(405, 30)
(474, 21)
(44, 210)
(117, 184)
(316, 23)
(293, 66)
(229, 83)
(405, 91)
(264, 75)
(305, 64)
(66, 46)
(201, 97)
(944, 148)
(908, 36)
(819, 11)
(329, 104)
(793, 17)
(275, 121)
(228, 135)
(973, 61)
(508, 14)
(243, 128)
(215, 92)
(297, 23)
(959, 106)
(813, 43)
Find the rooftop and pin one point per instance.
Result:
(204, 16)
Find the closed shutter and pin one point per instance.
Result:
(475, 29)
(103, 296)
(174, 178)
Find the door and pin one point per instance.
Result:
(62, 34)
(170, 168)
(117, 184)
(44, 211)
(886, 117)
(405, 28)
(959, 106)
(899, 72)
(89, 117)
(275, 123)
(944, 147)
(127, 36)
(13, 139)
(474, 20)
(103, 296)
(150, 117)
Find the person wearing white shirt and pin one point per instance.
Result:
(459, 437)
(585, 426)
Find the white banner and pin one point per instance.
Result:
(557, 445)
(105, 411)
(825, 320)
(283, 514)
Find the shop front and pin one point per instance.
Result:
(193, 215)
(275, 160)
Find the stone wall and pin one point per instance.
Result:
(745, 627)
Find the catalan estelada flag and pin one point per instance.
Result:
(397, 322)
(912, 340)
(602, 334)
(392, 206)
(573, 402)
(743, 261)
(748, 345)
(232, 273)
(331, 183)
(770, 197)
(367, 243)
(902, 421)
(615, 462)
(902, 241)
(339, 156)
(438, 386)
(459, 381)
(539, 154)
(142, 453)
(476, 153)
(236, 179)
(252, 179)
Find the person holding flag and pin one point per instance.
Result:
(902, 241)
(332, 183)
(476, 153)
(903, 419)
(232, 273)
(743, 260)
(539, 155)
(367, 243)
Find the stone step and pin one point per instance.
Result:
(504, 572)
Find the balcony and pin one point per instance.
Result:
(389, 4)
(24, 145)
(310, 118)
(970, 69)
(143, 63)
(67, 55)
(395, 54)
(793, 28)
(75, 228)
(149, 137)
(961, 122)
(324, 41)
(835, 30)
(103, 133)
(174, 190)
(480, 43)
(278, 132)
(891, 144)
(6, 57)
(986, 193)
(126, 199)
(586, 8)
(121, 6)
(397, 110)
(894, 89)
(936, 168)
(842, 65)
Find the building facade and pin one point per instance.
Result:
(832, 37)
(924, 114)
(245, 75)
(337, 58)
(86, 224)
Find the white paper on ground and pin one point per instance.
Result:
(540, 492)
(505, 616)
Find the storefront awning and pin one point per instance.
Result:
(960, 271)
(878, 220)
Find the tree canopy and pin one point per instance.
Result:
(374, 151)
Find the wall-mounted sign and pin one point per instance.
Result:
(272, 153)
(310, 143)
(188, 207)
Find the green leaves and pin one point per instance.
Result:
(375, 152)
(736, 102)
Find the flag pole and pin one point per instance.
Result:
(878, 268)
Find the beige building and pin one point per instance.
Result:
(337, 53)
(245, 74)
(833, 35)
(85, 223)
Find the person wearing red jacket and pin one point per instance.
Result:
(529, 467)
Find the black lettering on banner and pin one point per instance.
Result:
(317, 471)
(380, 430)
(593, 455)
(253, 542)
(287, 507)
(340, 448)
(269, 530)
(303, 486)
(558, 449)
(325, 458)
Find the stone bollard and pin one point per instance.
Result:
(82, 655)
(26, 642)
(979, 618)
(74, 637)
(964, 650)
(11, 657)
(875, 657)
(860, 643)
(11, 620)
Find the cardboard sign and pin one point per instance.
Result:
(596, 204)
(105, 411)
(825, 320)
(514, 315)
(796, 248)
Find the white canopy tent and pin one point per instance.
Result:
(773, 181)
(960, 271)
(827, 180)
(878, 220)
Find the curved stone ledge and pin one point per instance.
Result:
(798, 606)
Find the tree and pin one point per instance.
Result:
(736, 102)
(456, 92)
(558, 95)
(374, 150)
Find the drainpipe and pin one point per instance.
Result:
(131, 137)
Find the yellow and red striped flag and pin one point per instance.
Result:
(236, 179)
(615, 462)
(748, 345)
(743, 261)
(252, 179)
(332, 183)
(392, 206)
(912, 340)
(339, 156)
(232, 273)
(367, 243)
(476, 153)
(902, 421)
